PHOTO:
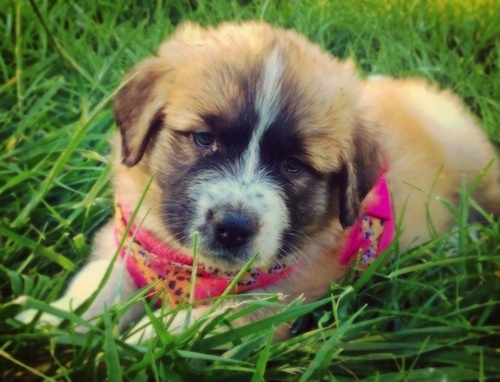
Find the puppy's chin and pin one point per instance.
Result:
(231, 263)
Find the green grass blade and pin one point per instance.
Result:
(111, 354)
(328, 350)
(260, 368)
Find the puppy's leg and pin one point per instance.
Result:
(119, 285)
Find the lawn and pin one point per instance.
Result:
(429, 314)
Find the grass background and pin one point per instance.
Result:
(435, 317)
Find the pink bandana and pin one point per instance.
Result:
(151, 262)
(374, 230)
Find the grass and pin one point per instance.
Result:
(431, 317)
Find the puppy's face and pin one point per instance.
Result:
(254, 138)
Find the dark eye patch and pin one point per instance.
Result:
(281, 145)
(233, 135)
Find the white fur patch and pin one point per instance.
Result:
(267, 104)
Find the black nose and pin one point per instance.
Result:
(232, 228)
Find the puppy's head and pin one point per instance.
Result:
(255, 139)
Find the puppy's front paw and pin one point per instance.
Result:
(55, 314)
(29, 315)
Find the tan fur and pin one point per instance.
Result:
(432, 143)
(425, 137)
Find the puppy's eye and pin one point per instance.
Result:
(293, 165)
(205, 140)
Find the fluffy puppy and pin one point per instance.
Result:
(262, 143)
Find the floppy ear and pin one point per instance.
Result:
(138, 108)
(359, 174)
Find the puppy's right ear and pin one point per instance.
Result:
(138, 108)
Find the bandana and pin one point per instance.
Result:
(169, 272)
(374, 230)
(151, 262)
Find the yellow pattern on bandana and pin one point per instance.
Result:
(372, 229)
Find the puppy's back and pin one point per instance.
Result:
(433, 143)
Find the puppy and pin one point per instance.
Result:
(279, 156)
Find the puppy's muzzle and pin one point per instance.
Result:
(231, 228)
(237, 218)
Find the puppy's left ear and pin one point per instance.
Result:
(138, 107)
(359, 173)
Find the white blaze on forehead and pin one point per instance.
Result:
(267, 105)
